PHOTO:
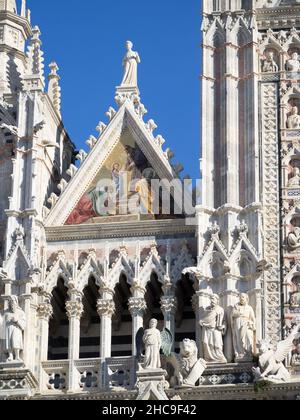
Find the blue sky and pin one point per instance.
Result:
(87, 39)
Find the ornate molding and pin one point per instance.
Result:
(106, 307)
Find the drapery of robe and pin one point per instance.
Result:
(15, 324)
(130, 63)
(152, 341)
(243, 327)
(83, 212)
(212, 338)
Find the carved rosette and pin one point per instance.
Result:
(137, 306)
(106, 307)
(45, 311)
(74, 309)
(168, 304)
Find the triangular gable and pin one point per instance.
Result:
(126, 129)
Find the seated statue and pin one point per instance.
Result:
(188, 368)
(294, 238)
(293, 64)
(293, 121)
(270, 65)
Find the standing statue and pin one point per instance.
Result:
(213, 329)
(188, 368)
(293, 64)
(271, 360)
(293, 121)
(243, 325)
(130, 64)
(270, 65)
(153, 341)
(15, 323)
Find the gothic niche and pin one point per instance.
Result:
(153, 297)
(89, 324)
(185, 315)
(59, 324)
(293, 62)
(295, 295)
(121, 320)
(293, 239)
(270, 61)
(293, 117)
(294, 173)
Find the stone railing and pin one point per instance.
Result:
(92, 374)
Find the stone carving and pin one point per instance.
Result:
(295, 180)
(243, 326)
(14, 325)
(130, 64)
(296, 357)
(293, 64)
(295, 298)
(271, 360)
(294, 239)
(213, 329)
(270, 65)
(188, 368)
(11, 128)
(153, 341)
(293, 121)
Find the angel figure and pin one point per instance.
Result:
(271, 365)
(153, 341)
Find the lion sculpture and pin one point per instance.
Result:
(188, 368)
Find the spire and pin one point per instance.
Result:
(35, 62)
(54, 90)
(8, 5)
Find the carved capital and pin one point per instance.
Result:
(45, 311)
(74, 309)
(137, 306)
(106, 307)
(168, 304)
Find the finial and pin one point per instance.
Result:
(54, 90)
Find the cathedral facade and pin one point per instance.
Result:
(98, 244)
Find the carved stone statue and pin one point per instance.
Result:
(153, 341)
(293, 121)
(296, 357)
(295, 180)
(213, 329)
(271, 360)
(188, 368)
(270, 65)
(293, 64)
(243, 325)
(15, 323)
(130, 64)
(294, 238)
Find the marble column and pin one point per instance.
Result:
(169, 307)
(74, 309)
(106, 309)
(137, 307)
(44, 313)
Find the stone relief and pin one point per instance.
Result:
(293, 64)
(296, 356)
(269, 64)
(271, 359)
(294, 181)
(213, 329)
(293, 239)
(293, 121)
(243, 326)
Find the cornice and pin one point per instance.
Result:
(279, 17)
(119, 230)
